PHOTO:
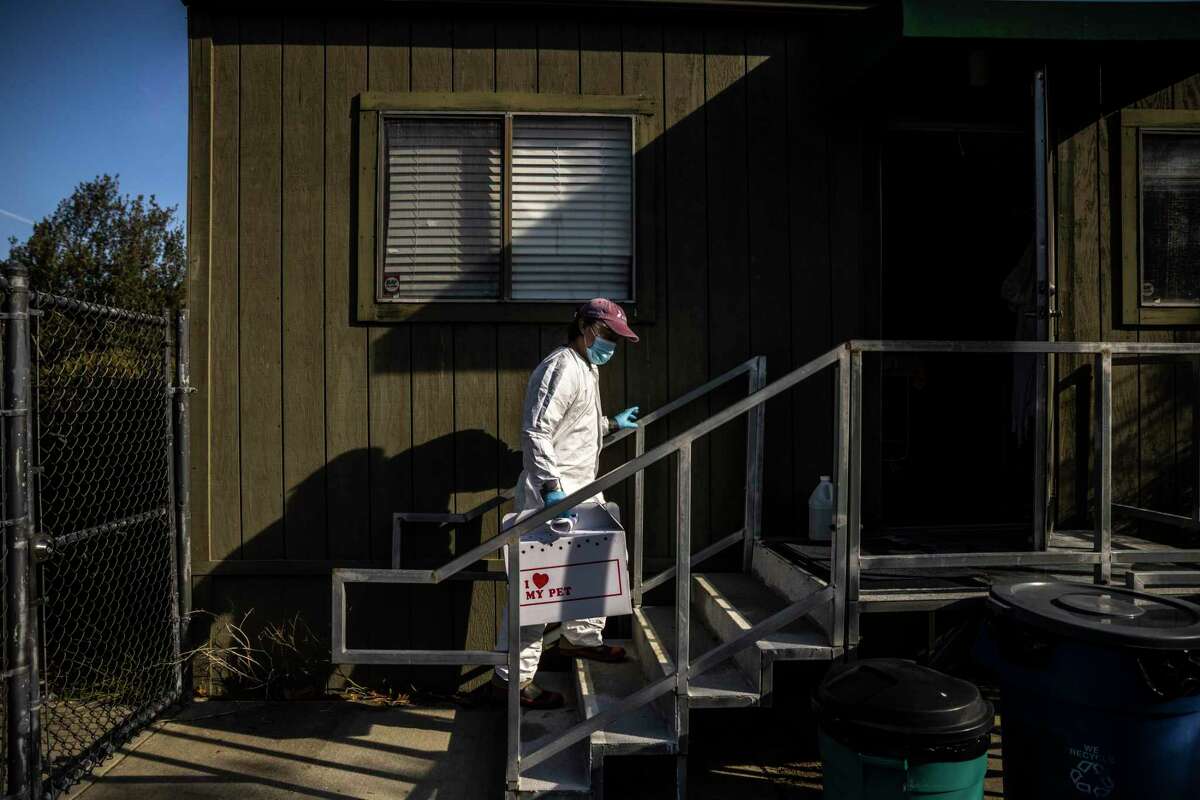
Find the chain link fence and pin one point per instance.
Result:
(102, 531)
(4, 513)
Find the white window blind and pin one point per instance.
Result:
(572, 220)
(443, 217)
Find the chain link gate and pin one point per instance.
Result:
(96, 550)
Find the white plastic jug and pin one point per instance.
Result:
(820, 511)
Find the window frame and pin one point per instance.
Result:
(1133, 123)
(375, 108)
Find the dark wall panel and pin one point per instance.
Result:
(727, 189)
(224, 534)
(303, 287)
(685, 195)
(646, 375)
(770, 313)
(811, 306)
(346, 418)
(199, 214)
(260, 386)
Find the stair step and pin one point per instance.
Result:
(732, 603)
(569, 772)
(1150, 579)
(746, 602)
(791, 580)
(723, 686)
(642, 731)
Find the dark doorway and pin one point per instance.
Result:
(955, 432)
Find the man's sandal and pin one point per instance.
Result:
(608, 653)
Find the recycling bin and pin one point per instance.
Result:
(1099, 691)
(891, 729)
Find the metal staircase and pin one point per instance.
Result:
(716, 645)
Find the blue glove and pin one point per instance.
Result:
(551, 497)
(627, 418)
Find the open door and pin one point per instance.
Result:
(958, 263)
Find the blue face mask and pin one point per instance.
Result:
(601, 351)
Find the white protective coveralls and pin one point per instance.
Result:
(562, 430)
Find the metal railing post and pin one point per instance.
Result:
(1195, 364)
(19, 623)
(683, 607)
(854, 520)
(183, 508)
(1103, 467)
(639, 514)
(841, 451)
(1041, 534)
(1042, 221)
(755, 423)
(513, 768)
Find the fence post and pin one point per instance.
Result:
(755, 423)
(183, 513)
(19, 642)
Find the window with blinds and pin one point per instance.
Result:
(444, 214)
(572, 230)
(566, 234)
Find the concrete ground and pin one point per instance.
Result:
(326, 749)
(336, 749)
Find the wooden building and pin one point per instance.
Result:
(797, 174)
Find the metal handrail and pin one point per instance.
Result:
(624, 433)
(718, 546)
(1102, 557)
(449, 520)
(456, 519)
(1030, 348)
(609, 479)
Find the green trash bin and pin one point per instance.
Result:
(891, 729)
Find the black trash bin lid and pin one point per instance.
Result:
(891, 700)
(1101, 614)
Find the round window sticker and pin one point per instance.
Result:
(391, 284)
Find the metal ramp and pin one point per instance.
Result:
(716, 645)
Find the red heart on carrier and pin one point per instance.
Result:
(540, 579)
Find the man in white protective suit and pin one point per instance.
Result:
(562, 429)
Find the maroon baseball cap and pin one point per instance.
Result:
(608, 312)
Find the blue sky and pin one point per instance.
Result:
(88, 88)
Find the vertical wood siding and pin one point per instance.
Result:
(313, 429)
(303, 287)
(1153, 458)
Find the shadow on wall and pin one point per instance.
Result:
(455, 616)
(1153, 462)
